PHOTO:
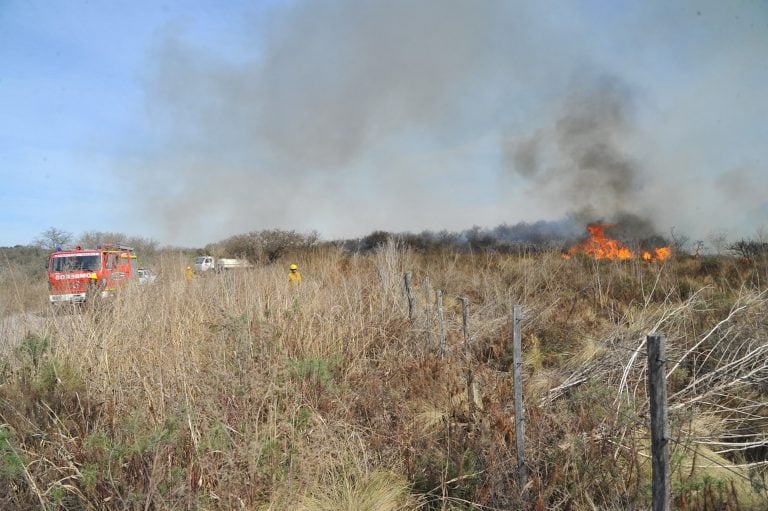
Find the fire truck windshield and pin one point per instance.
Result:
(76, 262)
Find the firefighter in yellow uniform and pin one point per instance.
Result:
(188, 273)
(294, 277)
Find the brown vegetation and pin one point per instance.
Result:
(235, 391)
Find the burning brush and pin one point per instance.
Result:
(599, 246)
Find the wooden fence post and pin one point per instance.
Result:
(517, 376)
(428, 313)
(409, 294)
(657, 392)
(468, 357)
(441, 324)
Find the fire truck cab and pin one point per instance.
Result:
(76, 275)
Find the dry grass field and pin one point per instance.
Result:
(236, 391)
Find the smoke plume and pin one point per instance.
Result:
(349, 116)
(579, 159)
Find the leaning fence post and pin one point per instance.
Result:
(517, 376)
(441, 323)
(468, 356)
(657, 392)
(409, 294)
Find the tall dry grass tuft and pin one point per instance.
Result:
(237, 391)
(378, 491)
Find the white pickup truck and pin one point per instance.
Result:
(208, 263)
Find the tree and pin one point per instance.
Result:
(750, 249)
(143, 246)
(374, 240)
(719, 241)
(268, 245)
(52, 238)
(679, 242)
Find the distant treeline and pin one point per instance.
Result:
(268, 245)
(29, 259)
(519, 238)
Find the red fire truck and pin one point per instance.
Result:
(76, 275)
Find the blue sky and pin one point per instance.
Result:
(188, 122)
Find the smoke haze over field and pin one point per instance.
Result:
(351, 116)
(345, 107)
(579, 159)
(348, 116)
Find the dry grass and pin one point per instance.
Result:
(237, 392)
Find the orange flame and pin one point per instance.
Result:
(662, 253)
(600, 246)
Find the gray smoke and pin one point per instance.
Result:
(349, 116)
(579, 159)
(362, 107)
